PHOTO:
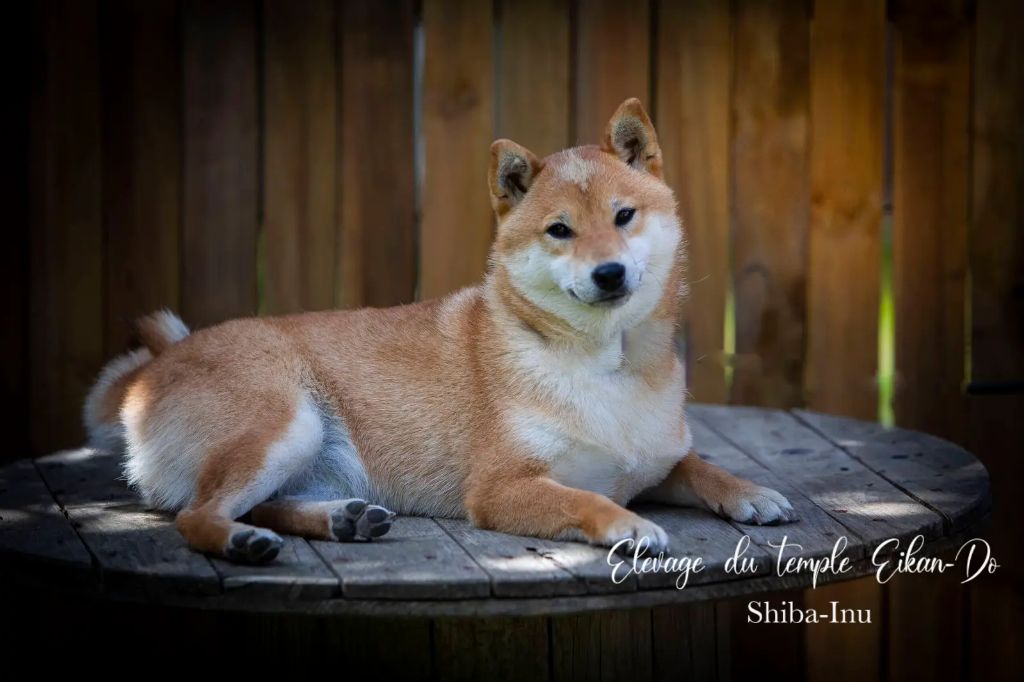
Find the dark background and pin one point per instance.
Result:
(851, 175)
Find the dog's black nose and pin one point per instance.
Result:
(609, 276)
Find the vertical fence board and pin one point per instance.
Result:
(997, 325)
(770, 200)
(14, 261)
(847, 110)
(377, 259)
(221, 176)
(847, 107)
(66, 299)
(930, 184)
(140, 58)
(457, 126)
(533, 74)
(613, 62)
(299, 90)
(693, 96)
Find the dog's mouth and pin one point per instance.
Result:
(609, 300)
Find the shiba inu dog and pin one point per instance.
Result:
(538, 403)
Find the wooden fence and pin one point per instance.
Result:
(238, 157)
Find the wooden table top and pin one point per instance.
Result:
(67, 521)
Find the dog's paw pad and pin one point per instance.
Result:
(356, 519)
(253, 546)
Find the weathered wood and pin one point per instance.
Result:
(456, 232)
(607, 75)
(684, 640)
(139, 552)
(377, 185)
(140, 61)
(533, 79)
(221, 179)
(606, 646)
(517, 566)
(299, 124)
(858, 498)
(939, 474)
(66, 292)
(33, 530)
(298, 572)
(693, 103)
(491, 649)
(406, 564)
(844, 245)
(815, 531)
(770, 200)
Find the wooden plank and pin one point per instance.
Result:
(532, 65)
(15, 280)
(846, 148)
(815, 531)
(607, 75)
(139, 552)
(517, 566)
(930, 185)
(66, 296)
(408, 563)
(140, 58)
(770, 200)
(685, 641)
(298, 573)
(457, 124)
(299, 123)
(939, 474)
(931, 100)
(849, 492)
(377, 187)
(33, 530)
(694, 69)
(605, 646)
(221, 161)
(491, 649)
(997, 335)
(392, 648)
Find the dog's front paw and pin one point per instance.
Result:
(756, 505)
(248, 545)
(630, 531)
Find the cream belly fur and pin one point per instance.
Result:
(540, 402)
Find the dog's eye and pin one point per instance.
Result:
(624, 216)
(560, 231)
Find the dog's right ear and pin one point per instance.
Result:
(513, 168)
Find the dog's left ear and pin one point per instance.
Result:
(513, 168)
(630, 136)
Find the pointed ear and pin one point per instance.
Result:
(513, 168)
(630, 136)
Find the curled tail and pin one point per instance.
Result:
(102, 410)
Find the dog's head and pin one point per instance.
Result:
(589, 235)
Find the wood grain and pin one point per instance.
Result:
(931, 86)
(996, 255)
(613, 63)
(694, 92)
(456, 232)
(491, 649)
(377, 190)
(299, 126)
(770, 200)
(846, 144)
(221, 174)
(533, 74)
(66, 291)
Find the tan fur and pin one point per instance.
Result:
(442, 399)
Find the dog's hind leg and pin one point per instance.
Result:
(241, 473)
(341, 520)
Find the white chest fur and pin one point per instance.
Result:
(599, 425)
